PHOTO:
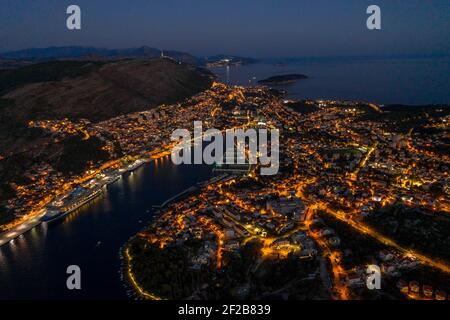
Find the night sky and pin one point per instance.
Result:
(257, 28)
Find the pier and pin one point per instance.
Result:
(177, 196)
(10, 235)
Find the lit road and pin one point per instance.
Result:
(133, 281)
(385, 240)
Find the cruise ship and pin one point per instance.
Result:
(113, 177)
(75, 199)
(135, 165)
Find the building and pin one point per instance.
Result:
(291, 207)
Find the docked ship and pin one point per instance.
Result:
(135, 165)
(75, 199)
(112, 178)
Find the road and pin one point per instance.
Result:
(363, 228)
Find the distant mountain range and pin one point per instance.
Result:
(94, 54)
(33, 55)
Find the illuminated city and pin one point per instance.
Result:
(343, 164)
(226, 158)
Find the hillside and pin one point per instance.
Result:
(95, 90)
(91, 90)
(79, 89)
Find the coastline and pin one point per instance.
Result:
(95, 235)
(344, 78)
(126, 276)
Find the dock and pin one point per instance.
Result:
(10, 235)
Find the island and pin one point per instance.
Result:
(283, 79)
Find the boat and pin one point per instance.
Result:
(52, 213)
(112, 179)
(135, 165)
(74, 200)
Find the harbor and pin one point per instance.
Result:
(34, 265)
(66, 204)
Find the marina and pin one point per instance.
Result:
(66, 204)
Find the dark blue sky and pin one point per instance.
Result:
(259, 28)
